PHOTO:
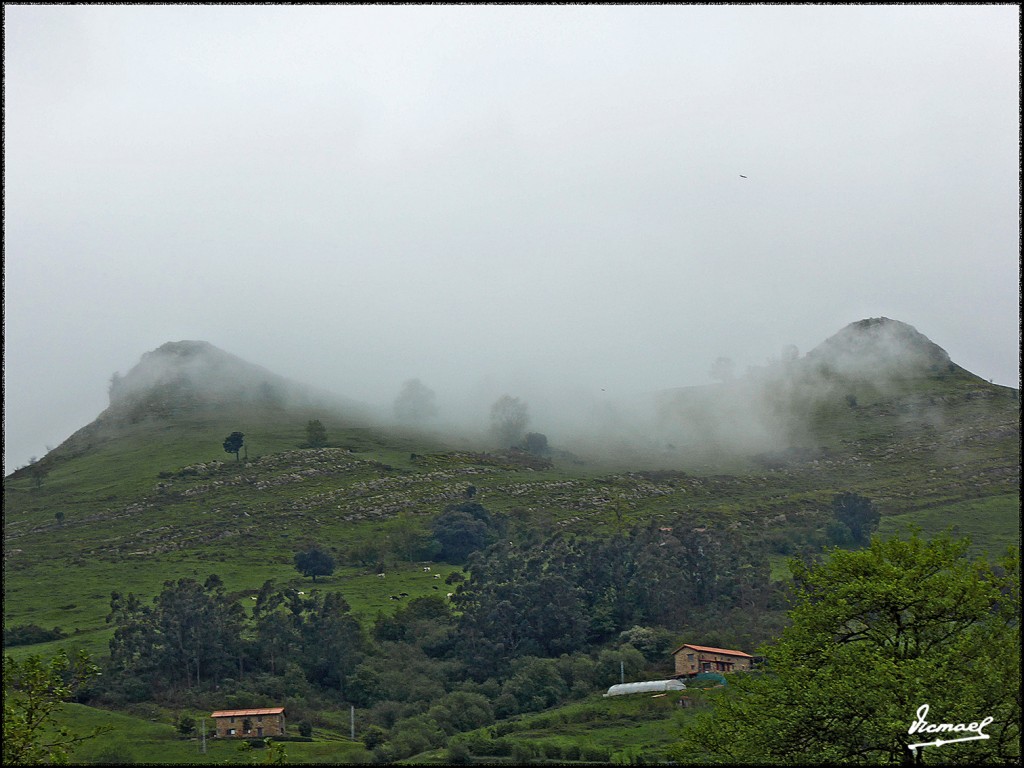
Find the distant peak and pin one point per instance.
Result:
(183, 348)
(882, 345)
(185, 374)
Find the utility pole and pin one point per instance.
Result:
(622, 671)
(352, 720)
(204, 735)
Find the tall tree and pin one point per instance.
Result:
(876, 634)
(415, 403)
(332, 640)
(276, 632)
(233, 443)
(858, 513)
(462, 529)
(190, 635)
(509, 417)
(314, 562)
(316, 434)
(38, 469)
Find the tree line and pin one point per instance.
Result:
(535, 621)
(871, 636)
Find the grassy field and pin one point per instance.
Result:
(620, 729)
(992, 523)
(135, 739)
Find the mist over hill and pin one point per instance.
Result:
(190, 378)
(791, 402)
(186, 375)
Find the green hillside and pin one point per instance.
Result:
(147, 494)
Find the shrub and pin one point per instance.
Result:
(552, 751)
(458, 753)
(594, 755)
(30, 634)
(497, 748)
(116, 753)
(383, 754)
(536, 442)
(186, 725)
(523, 752)
(373, 736)
(476, 743)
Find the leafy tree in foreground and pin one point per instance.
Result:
(314, 562)
(233, 443)
(33, 692)
(875, 635)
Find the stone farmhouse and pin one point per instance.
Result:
(249, 723)
(695, 659)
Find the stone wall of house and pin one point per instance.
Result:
(687, 666)
(261, 725)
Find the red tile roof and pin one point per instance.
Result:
(248, 712)
(706, 649)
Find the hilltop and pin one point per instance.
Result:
(879, 349)
(851, 384)
(182, 381)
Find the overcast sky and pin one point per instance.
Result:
(498, 199)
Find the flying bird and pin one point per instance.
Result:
(742, 176)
